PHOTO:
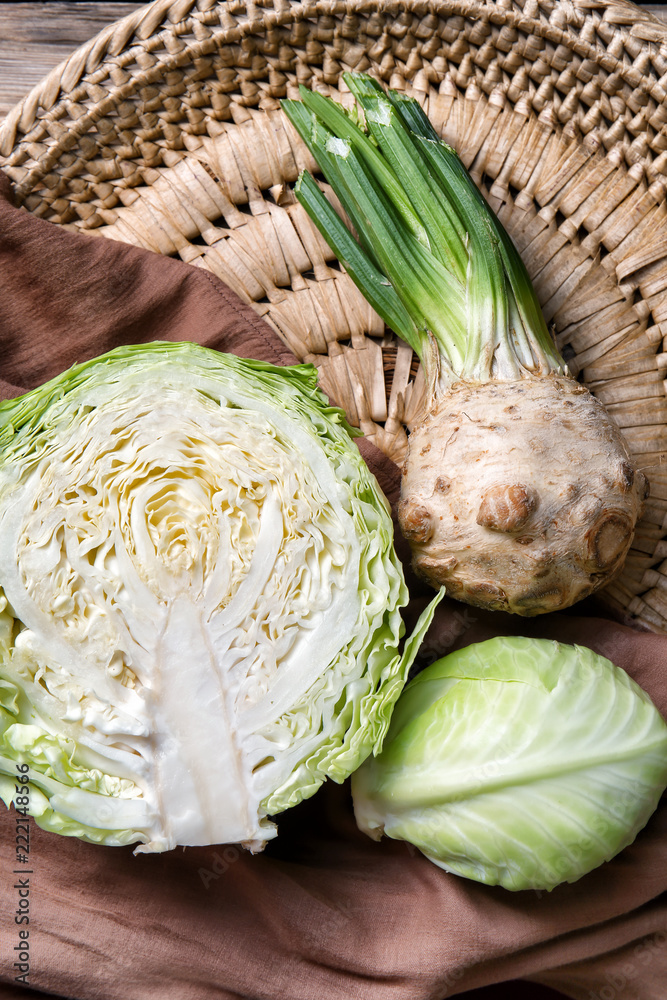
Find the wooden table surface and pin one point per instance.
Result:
(35, 37)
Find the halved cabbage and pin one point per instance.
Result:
(517, 762)
(200, 600)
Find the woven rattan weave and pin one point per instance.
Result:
(165, 131)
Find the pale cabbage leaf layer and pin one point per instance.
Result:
(199, 597)
(517, 762)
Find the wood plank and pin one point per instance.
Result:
(36, 37)
(658, 10)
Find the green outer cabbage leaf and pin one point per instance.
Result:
(517, 762)
(199, 598)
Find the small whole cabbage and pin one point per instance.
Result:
(517, 762)
(199, 598)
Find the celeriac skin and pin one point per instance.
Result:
(519, 495)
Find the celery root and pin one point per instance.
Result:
(518, 492)
(494, 504)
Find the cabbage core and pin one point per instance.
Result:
(201, 601)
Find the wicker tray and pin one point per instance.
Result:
(165, 131)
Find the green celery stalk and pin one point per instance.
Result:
(430, 293)
(423, 227)
(378, 290)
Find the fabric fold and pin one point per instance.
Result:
(324, 912)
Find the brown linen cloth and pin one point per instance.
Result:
(325, 913)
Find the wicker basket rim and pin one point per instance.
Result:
(140, 26)
(60, 110)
